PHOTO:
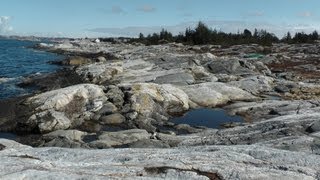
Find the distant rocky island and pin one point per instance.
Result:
(107, 114)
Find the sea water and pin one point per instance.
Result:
(19, 60)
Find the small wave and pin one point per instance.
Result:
(4, 80)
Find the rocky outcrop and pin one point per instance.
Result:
(112, 119)
(148, 95)
(274, 129)
(212, 94)
(99, 73)
(254, 84)
(144, 86)
(206, 162)
(63, 108)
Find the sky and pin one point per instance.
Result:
(102, 18)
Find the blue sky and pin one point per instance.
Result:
(80, 18)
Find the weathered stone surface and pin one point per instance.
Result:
(59, 99)
(262, 68)
(303, 143)
(200, 73)
(108, 108)
(279, 140)
(257, 111)
(281, 89)
(73, 135)
(63, 142)
(99, 72)
(77, 61)
(254, 84)
(146, 95)
(61, 109)
(115, 95)
(147, 124)
(172, 140)
(149, 143)
(315, 127)
(50, 120)
(292, 125)
(119, 138)
(2, 147)
(187, 128)
(230, 162)
(229, 66)
(101, 59)
(175, 79)
(212, 94)
(112, 119)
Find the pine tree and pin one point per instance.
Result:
(202, 34)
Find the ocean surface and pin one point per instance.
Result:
(18, 60)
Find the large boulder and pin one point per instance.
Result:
(147, 96)
(115, 95)
(201, 74)
(63, 108)
(212, 94)
(254, 84)
(223, 66)
(112, 119)
(229, 66)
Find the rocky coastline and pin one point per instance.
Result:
(107, 114)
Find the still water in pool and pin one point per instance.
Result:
(211, 118)
(8, 136)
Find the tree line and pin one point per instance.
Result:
(202, 34)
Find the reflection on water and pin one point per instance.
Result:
(211, 118)
(8, 136)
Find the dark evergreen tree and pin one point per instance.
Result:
(247, 33)
(287, 38)
(141, 37)
(202, 34)
(314, 35)
(165, 35)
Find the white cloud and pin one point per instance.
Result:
(5, 25)
(225, 26)
(117, 10)
(147, 8)
(306, 14)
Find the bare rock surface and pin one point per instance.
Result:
(63, 108)
(110, 139)
(174, 100)
(99, 72)
(142, 87)
(212, 94)
(206, 162)
(254, 84)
